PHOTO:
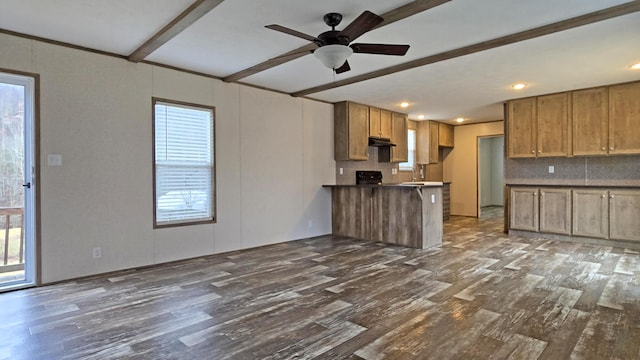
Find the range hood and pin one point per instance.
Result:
(380, 142)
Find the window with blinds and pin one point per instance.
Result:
(183, 163)
(411, 144)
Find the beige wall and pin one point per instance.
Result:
(273, 153)
(461, 166)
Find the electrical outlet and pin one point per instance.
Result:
(552, 169)
(341, 171)
(97, 253)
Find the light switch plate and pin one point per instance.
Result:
(54, 160)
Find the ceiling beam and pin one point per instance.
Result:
(189, 16)
(563, 25)
(389, 17)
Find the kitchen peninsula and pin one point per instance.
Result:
(406, 214)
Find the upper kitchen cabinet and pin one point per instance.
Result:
(422, 142)
(351, 131)
(521, 123)
(433, 142)
(590, 121)
(552, 128)
(539, 127)
(379, 123)
(431, 135)
(400, 152)
(624, 118)
(445, 135)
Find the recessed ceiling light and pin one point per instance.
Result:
(519, 86)
(459, 119)
(420, 117)
(404, 104)
(636, 66)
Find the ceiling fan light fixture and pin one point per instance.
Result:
(333, 56)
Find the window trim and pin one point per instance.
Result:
(214, 198)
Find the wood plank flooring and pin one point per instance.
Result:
(482, 295)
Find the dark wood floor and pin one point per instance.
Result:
(483, 295)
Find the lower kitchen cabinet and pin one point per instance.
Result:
(555, 211)
(544, 210)
(597, 213)
(613, 214)
(591, 214)
(624, 214)
(524, 209)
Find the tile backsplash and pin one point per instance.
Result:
(349, 169)
(583, 171)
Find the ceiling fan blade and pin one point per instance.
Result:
(295, 33)
(344, 68)
(381, 49)
(363, 23)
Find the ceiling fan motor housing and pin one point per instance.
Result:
(332, 37)
(332, 19)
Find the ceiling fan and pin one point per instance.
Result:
(334, 46)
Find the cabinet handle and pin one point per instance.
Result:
(603, 148)
(604, 196)
(535, 194)
(612, 196)
(611, 148)
(533, 151)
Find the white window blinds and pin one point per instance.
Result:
(411, 144)
(184, 168)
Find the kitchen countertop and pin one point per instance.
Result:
(614, 186)
(398, 185)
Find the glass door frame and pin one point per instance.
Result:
(31, 181)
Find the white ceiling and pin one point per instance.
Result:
(232, 37)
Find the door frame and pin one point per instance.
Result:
(36, 258)
(478, 185)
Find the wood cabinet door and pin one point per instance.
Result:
(422, 142)
(445, 135)
(521, 125)
(400, 152)
(555, 211)
(590, 213)
(624, 214)
(358, 132)
(624, 119)
(433, 142)
(523, 206)
(385, 124)
(374, 122)
(590, 119)
(553, 125)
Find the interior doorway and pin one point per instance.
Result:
(490, 176)
(17, 186)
